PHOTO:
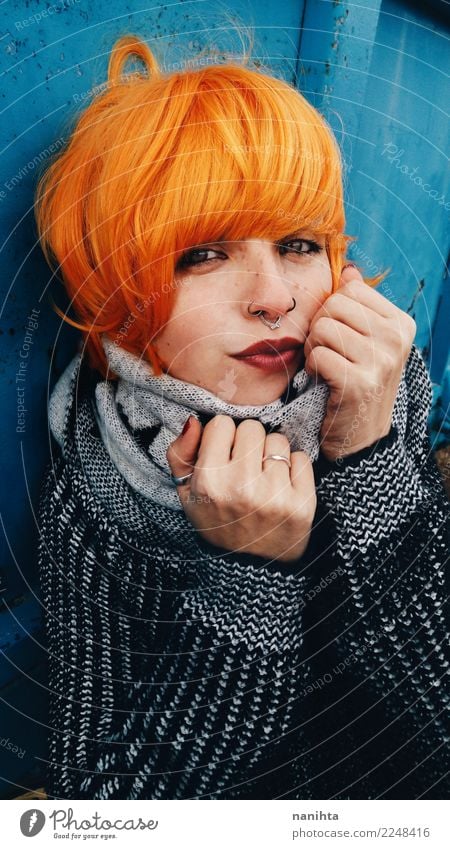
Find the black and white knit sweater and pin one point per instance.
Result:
(180, 670)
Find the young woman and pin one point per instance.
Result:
(243, 528)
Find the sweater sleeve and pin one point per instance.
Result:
(385, 631)
(170, 676)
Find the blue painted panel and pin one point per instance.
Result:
(335, 53)
(385, 94)
(23, 696)
(23, 707)
(380, 76)
(404, 183)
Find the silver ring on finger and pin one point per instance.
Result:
(180, 481)
(277, 457)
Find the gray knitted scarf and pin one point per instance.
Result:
(139, 400)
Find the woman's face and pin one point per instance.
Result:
(210, 323)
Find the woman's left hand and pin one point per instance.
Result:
(358, 342)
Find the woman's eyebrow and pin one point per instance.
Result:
(302, 231)
(219, 240)
(225, 241)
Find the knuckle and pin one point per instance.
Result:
(252, 425)
(331, 306)
(217, 494)
(325, 322)
(278, 441)
(243, 500)
(410, 326)
(321, 326)
(351, 287)
(220, 420)
(319, 354)
(201, 484)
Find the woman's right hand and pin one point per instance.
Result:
(235, 500)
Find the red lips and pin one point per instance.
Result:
(270, 347)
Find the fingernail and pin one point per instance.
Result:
(186, 426)
(349, 265)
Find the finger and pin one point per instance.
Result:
(217, 442)
(351, 272)
(182, 452)
(352, 313)
(401, 329)
(278, 470)
(248, 446)
(333, 334)
(302, 476)
(352, 284)
(333, 368)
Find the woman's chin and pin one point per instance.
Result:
(266, 392)
(254, 387)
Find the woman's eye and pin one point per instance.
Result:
(202, 256)
(300, 246)
(199, 256)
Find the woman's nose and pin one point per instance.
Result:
(266, 289)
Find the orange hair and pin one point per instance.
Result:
(160, 162)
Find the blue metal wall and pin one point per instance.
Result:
(377, 72)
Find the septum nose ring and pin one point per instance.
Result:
(272, 324)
